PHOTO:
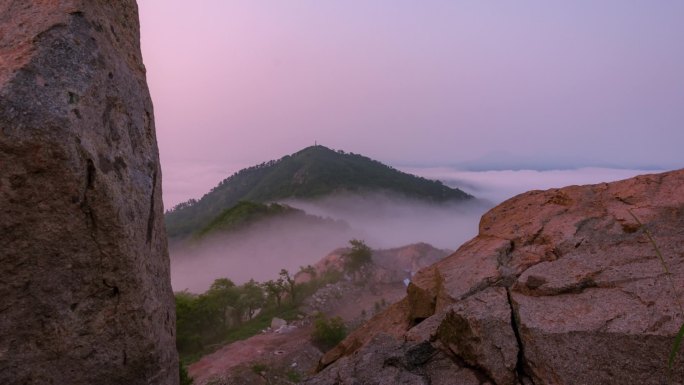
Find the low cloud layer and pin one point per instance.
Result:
(261, 250)
(497, 186)
(387, 220)
(382, 220)
(258, 251)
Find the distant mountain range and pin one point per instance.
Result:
(313, 172)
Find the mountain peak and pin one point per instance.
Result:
(316, 148)
(312, 172)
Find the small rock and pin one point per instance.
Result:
(277, 323)
(285, 329)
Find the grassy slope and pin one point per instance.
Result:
(246, 213)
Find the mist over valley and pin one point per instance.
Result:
(257, 251)
(262, 245)
(325, 198)
(388, 220)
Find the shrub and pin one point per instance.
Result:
(259, 368)
(183, 374)
(328, 332)
(359, 256)
(294, 376)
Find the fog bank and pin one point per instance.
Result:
(258, 251)
(382, 220)
(388, 220)
(261, 250)
(497, 186)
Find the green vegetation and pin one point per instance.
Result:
(270, 374)
(200, 327)
(260, 322)
(226, 312)
(288, 284)
(312, 172)
(359, 256)
(307, 289)
(243, 213)
(274, 290)
(294, 376)
(204, 319)
(328, 332)
(259, 368)
(183, 375)
(246, 213)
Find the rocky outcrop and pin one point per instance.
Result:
(389, 265)
(559, 287)
(400, 263)
(381, 282)
(84, 272)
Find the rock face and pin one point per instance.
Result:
(560, 287)
(84, 272)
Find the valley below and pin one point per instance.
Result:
(259, 268)
(314, 290)
(284, 351)
(258, 250)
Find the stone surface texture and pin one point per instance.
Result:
(559, 287)
(84, 270)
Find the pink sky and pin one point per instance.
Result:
(531, 84)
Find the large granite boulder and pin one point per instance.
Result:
(84, 271)
(561, 286)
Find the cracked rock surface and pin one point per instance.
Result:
(559, 287)
(84, 270)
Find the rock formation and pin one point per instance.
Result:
(559, 287)
(84, 272)
(389, 265)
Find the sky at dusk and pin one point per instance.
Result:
(470, 85)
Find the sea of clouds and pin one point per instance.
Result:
(383, 220)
